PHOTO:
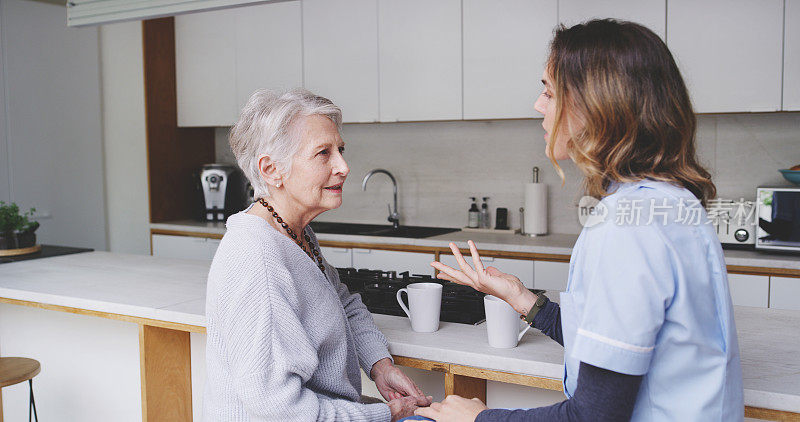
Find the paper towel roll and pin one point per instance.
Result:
(535, 208)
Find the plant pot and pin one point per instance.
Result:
(8, 242)
(26, 240)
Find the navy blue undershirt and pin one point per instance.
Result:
(601, 395)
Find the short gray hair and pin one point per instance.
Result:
(265, 127)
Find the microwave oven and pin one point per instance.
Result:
(778, 216)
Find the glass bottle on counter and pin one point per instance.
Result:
(474, 214)
(485, 217)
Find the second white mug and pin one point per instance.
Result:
(502, 323)
(424, 305)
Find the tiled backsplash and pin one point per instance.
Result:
(439, 165)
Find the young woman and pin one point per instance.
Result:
(646, 321)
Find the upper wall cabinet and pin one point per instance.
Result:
(340, 55)
(649, 13)
(221, 57)
(791, 57)
(205, 68)
(505, 49)
(729, 52)
(268, 48)
(419, 52)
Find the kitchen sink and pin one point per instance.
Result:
(416, 232)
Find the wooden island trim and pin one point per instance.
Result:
(109, 315)
(165, 362)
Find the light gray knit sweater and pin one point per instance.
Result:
(284, 342)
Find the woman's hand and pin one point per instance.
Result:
(394, 384)
(402, 407)
(453, 409)
(490, 280)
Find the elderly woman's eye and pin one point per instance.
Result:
(341, 150)
(323, 152)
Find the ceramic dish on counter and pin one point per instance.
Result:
(792, 175)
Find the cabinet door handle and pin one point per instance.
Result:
(338, 250)
(364, 251)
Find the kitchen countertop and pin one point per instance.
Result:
(555, 243)
(173, 290)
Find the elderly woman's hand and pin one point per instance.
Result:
(394, 384)
(402, 408)
(490, 280)
(453, 409)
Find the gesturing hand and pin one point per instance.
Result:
(489, 280)
(394, 384)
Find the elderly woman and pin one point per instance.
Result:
(285, 337)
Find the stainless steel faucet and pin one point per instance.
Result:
(394, 218)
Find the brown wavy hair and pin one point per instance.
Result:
(620, 80)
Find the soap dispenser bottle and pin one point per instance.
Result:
(474, 214)
(485, 223)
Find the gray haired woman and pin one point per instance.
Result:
(285, 336)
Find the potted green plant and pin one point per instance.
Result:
(16, 229)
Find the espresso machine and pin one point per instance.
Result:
(224, 191)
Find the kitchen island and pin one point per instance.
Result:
(165, 298)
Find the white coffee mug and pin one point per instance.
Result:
(425, 303)
(502, 323)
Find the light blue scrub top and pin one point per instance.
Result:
(651, 298)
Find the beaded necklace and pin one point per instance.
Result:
(312, 252)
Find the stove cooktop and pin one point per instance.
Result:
(378, 291)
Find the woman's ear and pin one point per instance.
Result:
(269, 172)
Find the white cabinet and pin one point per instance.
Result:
(338, 257)
(184, 247)
(791, 56)
(221, 57)
(205, 68)
(521, 268)
(749, 290)
(340, 55)
(505, 49)
(374, 259)
(550, 276)
(728, 52)
(650, 13)
(419, 50)
(268, 48)
(512, 396)
(784, 293)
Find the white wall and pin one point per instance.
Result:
(53, 124)
(440, 164)
(5, 187)
(124, 138)
(89, 366)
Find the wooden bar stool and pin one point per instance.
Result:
(16, 370)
